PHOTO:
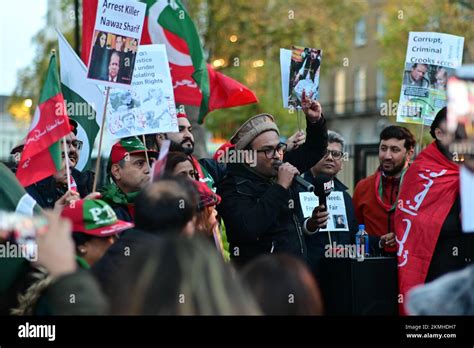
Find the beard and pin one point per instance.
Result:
(178, 147)
(73, 158)
(394, 169)
(188, 150)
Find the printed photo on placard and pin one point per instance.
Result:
(115, 40)
(431, 58)
(304, 74)
(112, 58)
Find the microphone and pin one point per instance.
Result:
(299, 180)
(307, 185)
(324, 187)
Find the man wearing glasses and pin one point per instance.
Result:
(317, 241)
(260, 204)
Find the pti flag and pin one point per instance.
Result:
(430, 187)
(41, 156)
(84, 100)
(194, 82)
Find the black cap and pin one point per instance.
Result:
(440, 117)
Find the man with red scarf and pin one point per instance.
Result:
(375, 197)
(428, 228)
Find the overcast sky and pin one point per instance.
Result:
(19, 22)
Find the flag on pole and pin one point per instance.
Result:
(194, 81)
(14, 196)
(84, 100)
(41, 156)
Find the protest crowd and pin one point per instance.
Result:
(172, 234)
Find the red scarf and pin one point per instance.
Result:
(429, 190)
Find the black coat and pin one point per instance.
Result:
(316, 243)
(46, 192)
(454, 249)
(261, 216)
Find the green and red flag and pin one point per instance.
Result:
(84, 100)
(195, 82)
(41, 156)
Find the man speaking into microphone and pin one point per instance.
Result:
(260, 201)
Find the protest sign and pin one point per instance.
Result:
(430, 59)
(300, 68)
(117, 32)
(149, 106)
(304, 74)
(336, 208)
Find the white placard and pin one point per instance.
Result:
(285, 60)
(117, 32)
(467, 200)
(430, 59)
(149, 106)
(336, 208)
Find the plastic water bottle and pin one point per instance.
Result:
(362, 242)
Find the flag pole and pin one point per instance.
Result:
(298, 119)
(97, 164)
(66, 158)
(422, 128)
(146, 152)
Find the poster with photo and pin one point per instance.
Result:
(336, 207)
(148, 106)
(431, 58)
(305, 66)
(116, 37)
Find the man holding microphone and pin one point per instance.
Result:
(260, 202)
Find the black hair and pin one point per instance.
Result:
(273, 277)
(400, 133)
(166, 205)
(174, 158)
(167, 268)
(97, 40)
(81, 238)
(440, 117)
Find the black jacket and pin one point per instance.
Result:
(46, 192)
(262, 216)
(454, 249)
(316, 243)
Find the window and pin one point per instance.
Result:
(340, 92)
(380, 86)
(360, 82)
(360, 32)
(380, 27)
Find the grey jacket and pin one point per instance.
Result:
(451, 294)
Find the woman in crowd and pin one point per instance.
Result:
(283, 285)
(177, 275)
(179, 164)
